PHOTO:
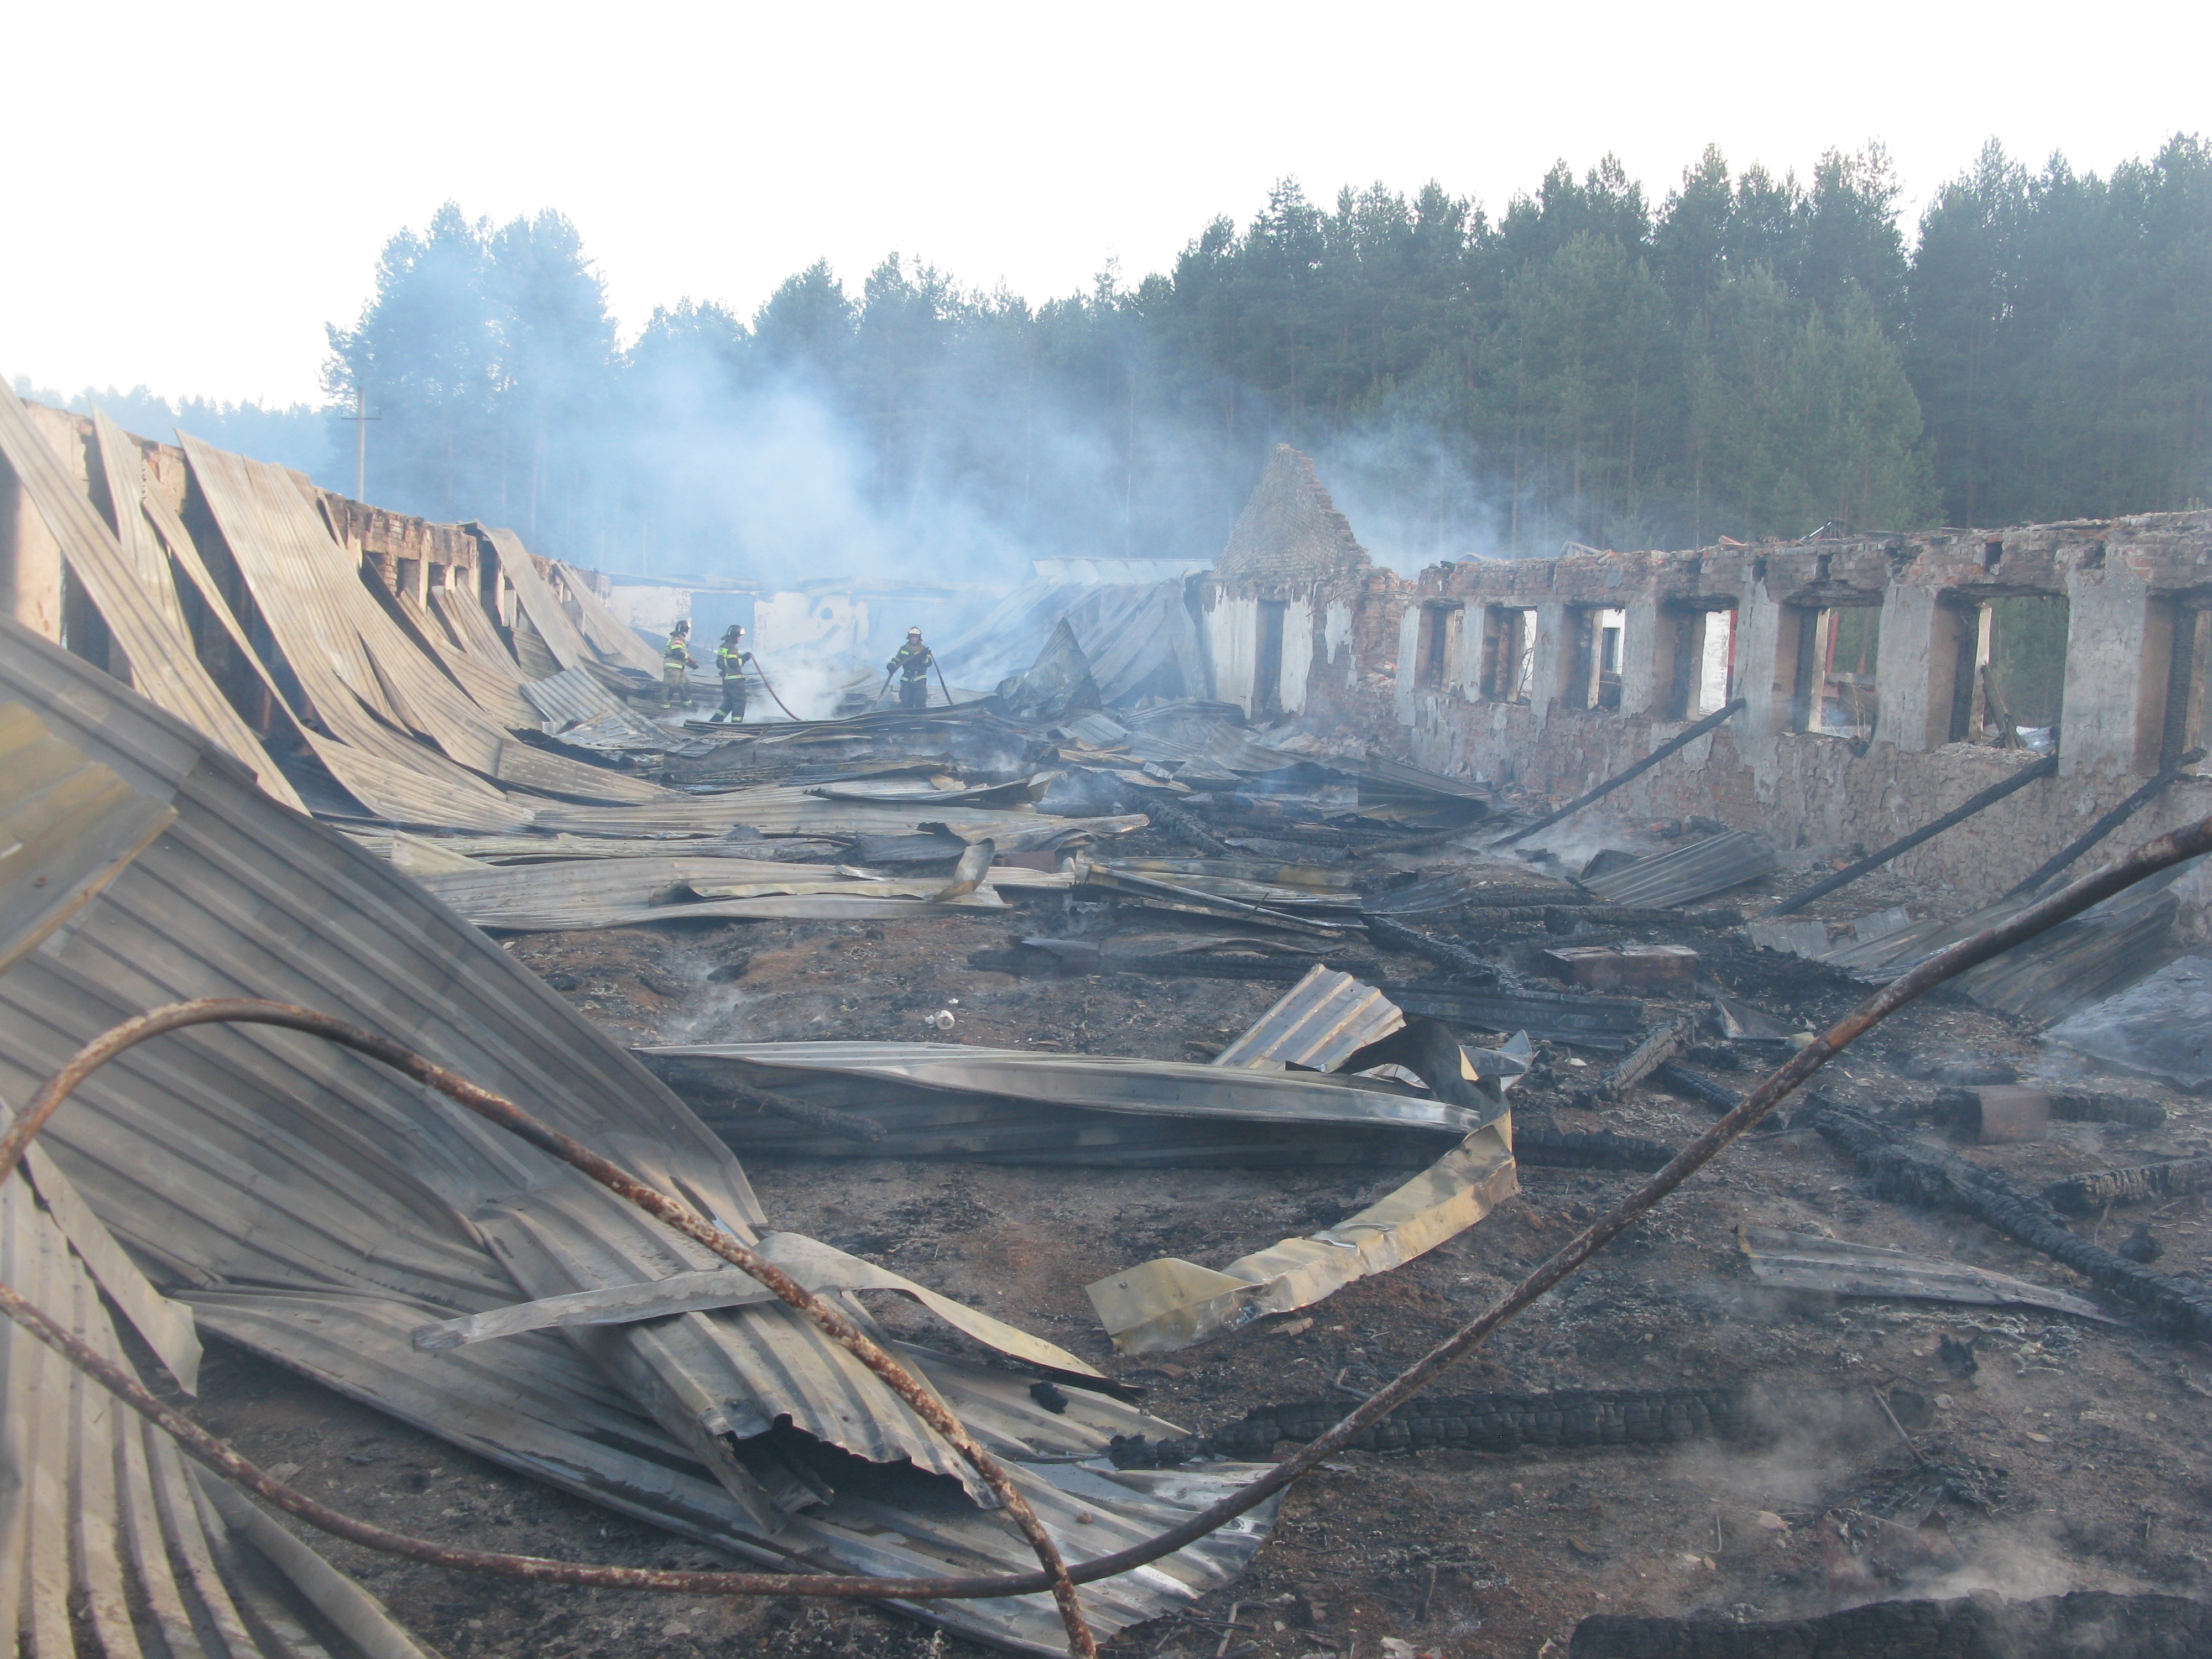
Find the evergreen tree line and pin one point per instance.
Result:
(1752, 355)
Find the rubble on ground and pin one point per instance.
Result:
(1121, 1056)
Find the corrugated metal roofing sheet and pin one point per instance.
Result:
(874, 1078)
(105, 1550)
(615, 642)
(554, 625)
(2101, 951)
(339, 640)
(774, 811)
(571, 696)
(255, 1167)
(162, 659)
(1319, 1024)
(68, 826)
(1698, 871)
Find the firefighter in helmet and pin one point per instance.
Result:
(730, 660)
(675, 690)
(912, 662)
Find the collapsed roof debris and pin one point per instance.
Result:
(1190, 792)
(1804, 1262)
(371, 1209)
(110, 1532)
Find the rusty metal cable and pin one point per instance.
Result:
(2191, 841)
(497, 1110)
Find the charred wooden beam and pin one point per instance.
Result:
(1541, 1146)
(2104, 825)
(1958, 814)
(1645, 1057)
(1681, 739)
(1455, 959)
(2086, 1194)
(1917, 1173)
(1184, 827)
(1706, 1092)
(2068, 1106)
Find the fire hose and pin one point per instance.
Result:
(770, 690)
(1053, 1574)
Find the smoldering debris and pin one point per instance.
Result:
(217, 1166)
(1924, 1174)
(1383, 1061)
(1833, 1267)
(2109, 1624)
(1745, 1413)
(2086, 1194)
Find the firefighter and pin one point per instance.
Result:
(913, 662)
(674, 690)
(730, 660)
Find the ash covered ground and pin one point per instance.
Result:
(2072, 1454)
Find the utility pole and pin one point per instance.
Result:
(361, 418)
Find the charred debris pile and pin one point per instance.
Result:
(425, 775)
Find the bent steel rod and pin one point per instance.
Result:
(2187, 842)
(497, 1109)
(1958, 814)
(1681, 739)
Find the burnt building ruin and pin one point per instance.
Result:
(1189, 1018)
(1884, 678)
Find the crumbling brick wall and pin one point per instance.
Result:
(2133, 590)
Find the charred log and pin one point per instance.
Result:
(1655, 1051)
(1525, 898)
(2086, 1194)
(1706, 1092)
(2069, 1107)
(1455, 959)
(1907, 1171)
(1183, 827)
(1543, 1147)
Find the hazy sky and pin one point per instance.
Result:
(199, 189)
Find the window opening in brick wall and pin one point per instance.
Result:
(2009, 678)
(1268, 666)
(1607, 628)
(1837, 662)
(1586, 645)
(1432, 648)
(1703, 666)
(2188, 713)
(1509, 654)
(2026, 664)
